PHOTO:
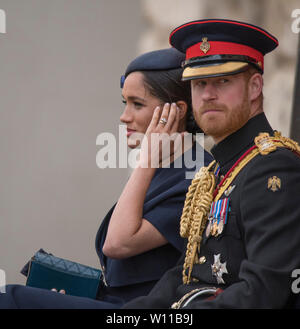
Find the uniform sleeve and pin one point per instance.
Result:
(271, 222)
(163, 293)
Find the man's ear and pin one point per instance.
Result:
(182, 109)
(255, 86)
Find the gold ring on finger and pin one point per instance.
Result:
(163, 121)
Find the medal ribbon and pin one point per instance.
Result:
(218, 212)
(225, 209)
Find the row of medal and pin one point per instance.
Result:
(217, 217)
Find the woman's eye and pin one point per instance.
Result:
(137, 104)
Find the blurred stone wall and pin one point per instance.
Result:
(273, 15)
(60, 62)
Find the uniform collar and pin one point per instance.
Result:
(233, 146)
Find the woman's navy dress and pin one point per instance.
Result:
(134, 276)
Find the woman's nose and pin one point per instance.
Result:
(126, 115)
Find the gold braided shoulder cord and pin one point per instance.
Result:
(195, 213)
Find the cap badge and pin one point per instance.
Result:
(205, 46)
(218, 269)
(274, 183)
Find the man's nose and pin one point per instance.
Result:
(209, 92)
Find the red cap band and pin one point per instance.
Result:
(225, 48)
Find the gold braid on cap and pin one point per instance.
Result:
(195, 214)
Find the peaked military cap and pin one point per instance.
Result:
(216, 47)
(157, 60)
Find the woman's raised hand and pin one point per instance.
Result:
(161, 139)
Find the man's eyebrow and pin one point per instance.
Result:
(135, 98)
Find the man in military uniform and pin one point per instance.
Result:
(241, 218)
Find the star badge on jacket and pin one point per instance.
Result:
(218, 269)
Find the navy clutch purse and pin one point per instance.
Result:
(47, 271)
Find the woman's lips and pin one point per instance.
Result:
(130, 132)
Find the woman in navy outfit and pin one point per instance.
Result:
(138, 240)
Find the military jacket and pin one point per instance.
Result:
(253, 258)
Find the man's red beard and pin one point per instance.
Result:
(225, 123)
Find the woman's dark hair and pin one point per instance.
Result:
(169, 88)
